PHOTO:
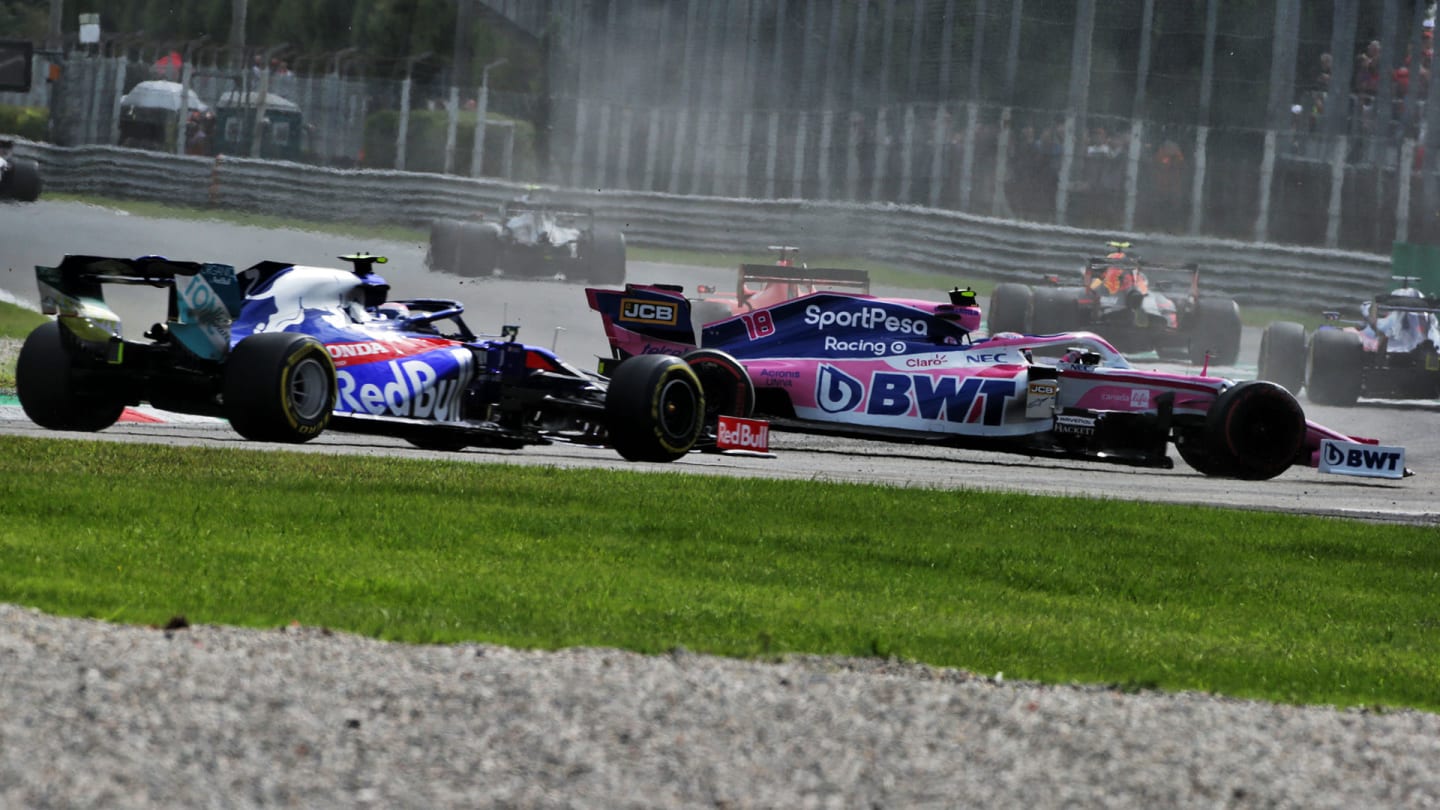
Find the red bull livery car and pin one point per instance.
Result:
(909, 370)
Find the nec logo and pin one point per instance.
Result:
(641, 311)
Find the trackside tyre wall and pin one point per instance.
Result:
(1253, 431)
(444, 244)
(47, 390)
(279, 387)
(1217, 330)
(606, 262)
(22, 181)
(1282, 355)
(478, 248)
(1011, 308)
(725, 383)
(655, 408)
(1333, 368)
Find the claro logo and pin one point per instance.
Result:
(637, 310)
(869, 318)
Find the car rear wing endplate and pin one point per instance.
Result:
(202, 298)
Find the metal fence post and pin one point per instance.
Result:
(1402, 202)
(747, 131)
(827, 132)
(802, 134)
(402, 130)
(1337, 187)
(1197, 183)
(772, 147)
(452, 121)
(907, 154)
(622, 170)
(652, 144)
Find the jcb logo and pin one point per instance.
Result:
(636, 310)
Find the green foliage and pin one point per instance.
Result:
(30, 123)
(1250, 604)
(425, 143)
(17, 321)
(24, 19)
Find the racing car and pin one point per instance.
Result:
(1391, 351)
(1138, 306)
(531, 239)
(286, 352)
(761, 285)
(19, 177)
(904, 370)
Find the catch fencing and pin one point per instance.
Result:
(958, 248)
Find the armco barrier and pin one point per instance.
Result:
(958, 247)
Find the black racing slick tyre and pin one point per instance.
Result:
(655, 408)
(1282, 355)
(22, 181)
(1253, 431)
(1012, 308)
(605, 262)
(1055, 309)
(45, 382)
(1333, 367)
(279, 387)
(478, 249)
(726, 384)
(444, 245)
(1216, 332)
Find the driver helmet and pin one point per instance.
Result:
(394, 310)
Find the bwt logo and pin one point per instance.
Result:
(870, 318)
(973, 399)
(641, 311)
(1360, 458)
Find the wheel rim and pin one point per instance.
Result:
(309, 389)
(678, 406)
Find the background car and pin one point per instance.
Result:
(19, 177)
(760, 285)
(1389, 348)
(531, 239)
(1137, 305)
(286, 352)
(910, 371)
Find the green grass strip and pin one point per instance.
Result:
(1275, 606)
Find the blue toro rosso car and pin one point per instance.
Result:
(286, 352)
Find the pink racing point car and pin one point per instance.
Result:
(909, 371)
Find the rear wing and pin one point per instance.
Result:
(1381, 305)
(203, 298)
(1160, 275)
(580, 212)
(1100, 263)
(821, 278)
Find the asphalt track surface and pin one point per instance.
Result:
(553, 313)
